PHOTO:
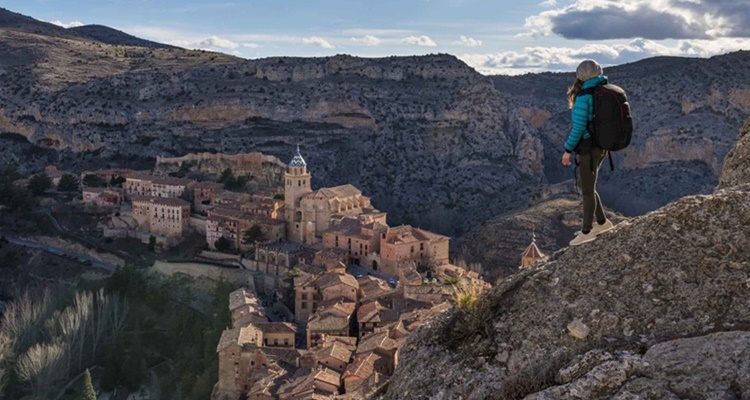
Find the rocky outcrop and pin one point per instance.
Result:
(260, 167)
(737, 165)
(655, 308)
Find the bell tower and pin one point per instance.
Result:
(296, 185)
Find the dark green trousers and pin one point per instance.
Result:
(589, 163)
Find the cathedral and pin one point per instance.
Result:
(308, 213)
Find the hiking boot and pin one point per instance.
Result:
(599, 229)
(582, 238)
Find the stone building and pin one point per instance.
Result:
(161, 215)
(232, 225)
(102, 196)
(245, 308)
(271, 334)
(276, 258)
(531, 254)
(308, 213)
(404, 244)
(143, 184)
(333, 317)
(310, 291)
(359, 237)
(202, 194)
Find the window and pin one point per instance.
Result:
(304, 296)
(304, 305)
(421, 246)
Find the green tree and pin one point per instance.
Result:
(11, 172)
(68, 183)
(88, 387)
(226, 176)
(222, 244)
(21, 200)
(254, 234)
(279, 196)
(93, 180)
(152, 243)
(40, 183)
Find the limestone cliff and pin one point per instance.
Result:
(658, 308)
(432, 141)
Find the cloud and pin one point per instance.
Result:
(318, 41)
(468, 42)
(215, 42)
(367, 40)
(251, 45)
(650, 19)
(540, 58)
(66, 25)
(548, 3)
(419, 41)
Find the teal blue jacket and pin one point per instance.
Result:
(582, 114)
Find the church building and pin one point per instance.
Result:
(308, 213)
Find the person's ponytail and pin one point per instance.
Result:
(573, 92)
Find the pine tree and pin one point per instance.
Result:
(68, 183)
(88, 387)
(38, 184)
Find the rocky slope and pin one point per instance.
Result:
(432, 141)
(554, 215)
(659, 308)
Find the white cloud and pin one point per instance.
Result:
(367, 40)
(318, 41)
(419, 41)
(215, 42)
(251, 45)
(650, 19)
(66, 25)
(548, 3)
(468, 42)
(540, 58)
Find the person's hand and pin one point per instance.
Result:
(566, 159)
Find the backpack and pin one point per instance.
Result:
(612, 127)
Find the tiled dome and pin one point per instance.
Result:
(298, 161)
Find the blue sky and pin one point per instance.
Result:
(492, 36)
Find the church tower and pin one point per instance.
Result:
(532, 253)
(296, 185)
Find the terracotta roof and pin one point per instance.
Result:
(339, 306)
(241, 297)
(171, 181)
(363, 366)
(431, 236)
(208, 185)
(327, 322)
(376, 311)
(328, 376)
(347, 227)
(275, 327)
(162, 201)
(348, 342)
(337, 350)
(376, 340)
(336, 191)
(333, 278)
(532, 251)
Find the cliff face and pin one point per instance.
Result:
(433, 142)
(658, 308)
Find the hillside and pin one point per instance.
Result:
(105, 34)
(655, 309)
(435, 143)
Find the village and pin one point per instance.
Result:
(355, 287)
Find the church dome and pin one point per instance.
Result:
(298, 161)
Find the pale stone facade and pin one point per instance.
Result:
(232, 224)
(161, 216)
(308, 213)
(140, 184)
(405, 244)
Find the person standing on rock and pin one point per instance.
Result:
(589, 75)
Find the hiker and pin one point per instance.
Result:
(590, 155)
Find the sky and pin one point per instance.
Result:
(493, 36)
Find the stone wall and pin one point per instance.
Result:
(197, 270)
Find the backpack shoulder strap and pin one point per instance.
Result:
(590, 91)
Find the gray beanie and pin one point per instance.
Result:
(588, 69)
